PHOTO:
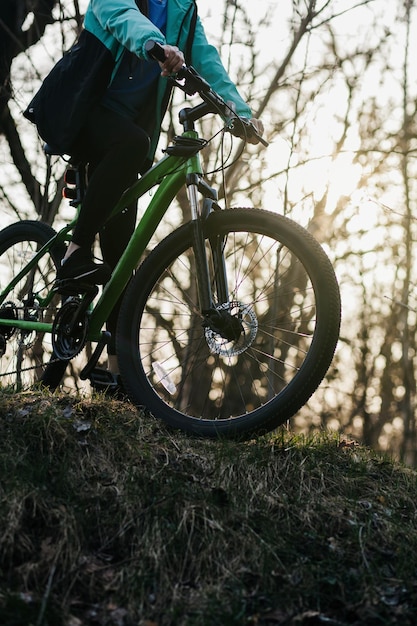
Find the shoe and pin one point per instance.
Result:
(81, 267)
(108, 383)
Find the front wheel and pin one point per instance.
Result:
(284, 301)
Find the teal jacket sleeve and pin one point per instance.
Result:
(121, 25)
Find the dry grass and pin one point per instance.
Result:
(109, 518)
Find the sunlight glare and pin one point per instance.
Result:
(343, 177)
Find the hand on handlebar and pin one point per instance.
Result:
(174, 60)
(259, 129)
(251, 130)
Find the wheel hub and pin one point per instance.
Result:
(230, 328)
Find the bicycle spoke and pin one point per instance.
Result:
(190, 371)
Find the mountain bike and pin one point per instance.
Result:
(226, 328)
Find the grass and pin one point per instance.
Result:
(109, 518)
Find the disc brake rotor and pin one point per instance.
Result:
(218, 344)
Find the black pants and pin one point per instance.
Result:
(115, 149)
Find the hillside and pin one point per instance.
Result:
(109, 518)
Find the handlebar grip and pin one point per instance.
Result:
(155, 50)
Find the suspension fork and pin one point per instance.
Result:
(198, 217)
(220, 275)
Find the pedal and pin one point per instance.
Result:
(108, 383)
(73, 287)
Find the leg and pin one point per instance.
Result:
(115, 148)
(114, 238)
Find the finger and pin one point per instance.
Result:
(258, 125)
(174, 60)
(171, 68)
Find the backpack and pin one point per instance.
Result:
(74, 85)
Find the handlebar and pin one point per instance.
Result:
(194, 83)
(155, 50)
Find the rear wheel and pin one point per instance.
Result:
(257, 357)
(28, 356)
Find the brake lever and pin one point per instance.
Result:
(193, 82)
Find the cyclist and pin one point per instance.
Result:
(119, 138)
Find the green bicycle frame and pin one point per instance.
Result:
(170, 175)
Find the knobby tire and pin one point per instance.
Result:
(283, 290)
